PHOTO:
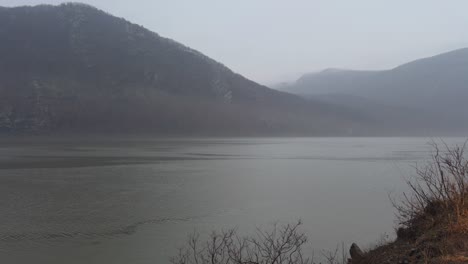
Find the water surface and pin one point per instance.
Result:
(135, 200)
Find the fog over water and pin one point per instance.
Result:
(126, 126)
(135, 201)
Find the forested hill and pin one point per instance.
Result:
(74, 68)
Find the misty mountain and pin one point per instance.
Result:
(74, 68)
(432, 91)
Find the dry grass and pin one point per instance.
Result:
(455, 259)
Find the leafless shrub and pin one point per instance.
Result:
(439, 189)
(281, 245)
(337, 256)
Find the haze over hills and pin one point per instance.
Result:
(75, 68)
(431, 91)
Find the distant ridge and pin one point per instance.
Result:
(433, 89)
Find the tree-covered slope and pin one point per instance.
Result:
(75, 68)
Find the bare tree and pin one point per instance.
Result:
(337, 256)
(282, 245)
(440, 187)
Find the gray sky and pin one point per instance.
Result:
(271, 41)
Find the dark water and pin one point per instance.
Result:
(135, 200)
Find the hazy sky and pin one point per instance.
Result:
(274, 40)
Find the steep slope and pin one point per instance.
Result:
(75, 68)
(433, 88)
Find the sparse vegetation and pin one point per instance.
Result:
(438, 192)
(433, 220)
(283, 244)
